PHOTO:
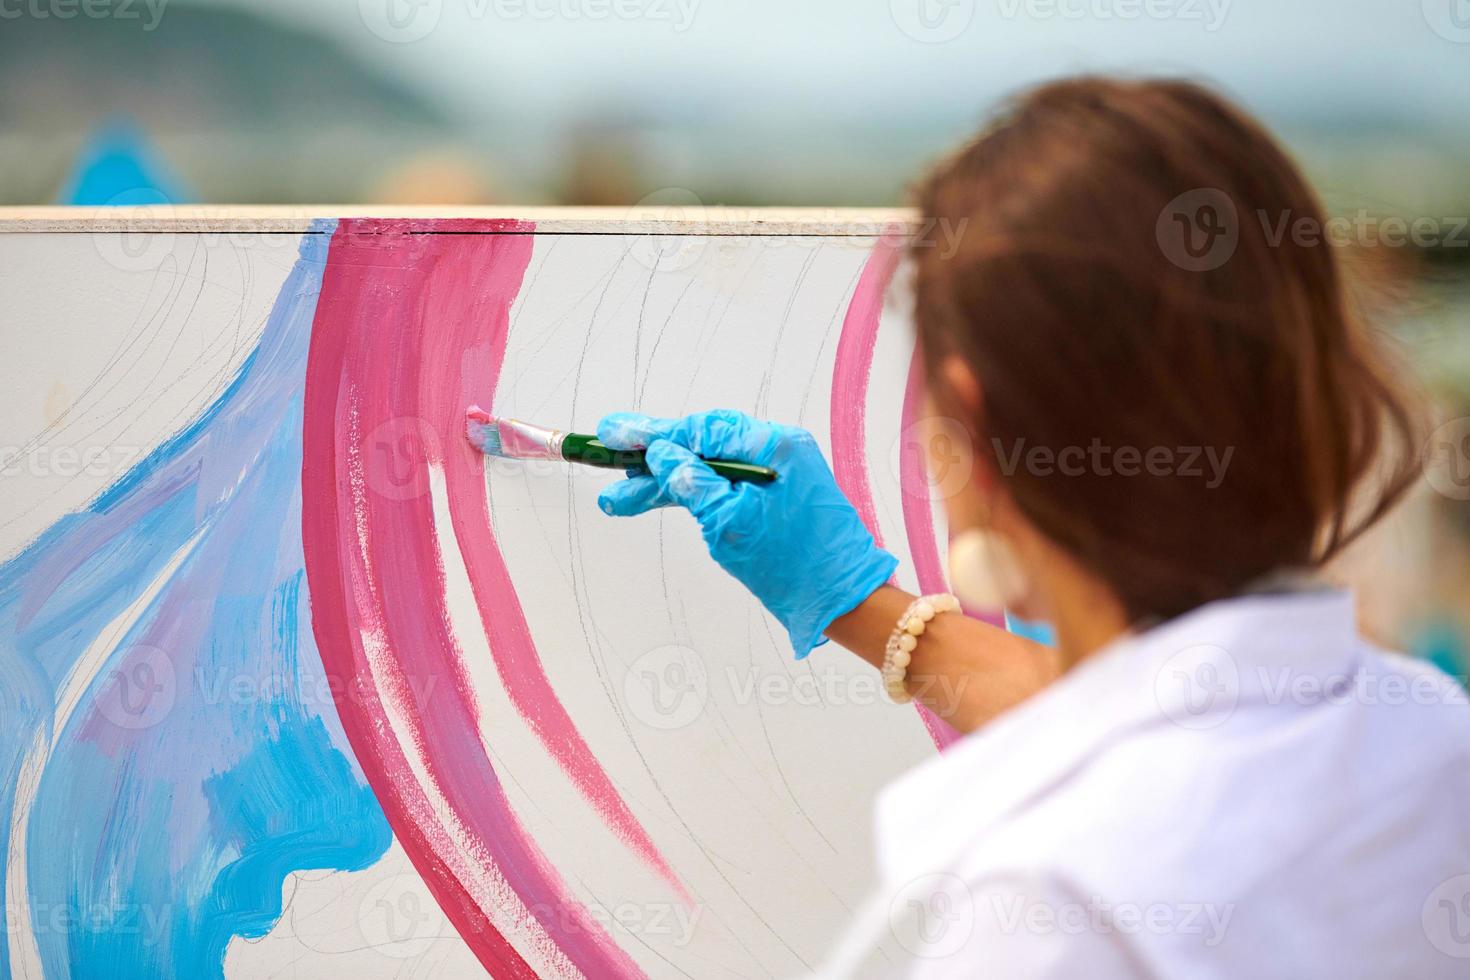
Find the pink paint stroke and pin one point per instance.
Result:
(918, 510)
(465, 358)
(375, 571)
(848, 417)
(850, 372)
(338, 626)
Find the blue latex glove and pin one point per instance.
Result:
(797, 543)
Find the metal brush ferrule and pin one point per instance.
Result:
(522, 440)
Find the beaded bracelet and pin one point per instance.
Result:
(905, 637)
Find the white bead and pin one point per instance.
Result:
(907, 642)
(923, 610)
(947, 603)
(915, 626)
(901, 658)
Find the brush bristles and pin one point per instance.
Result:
(483, 431)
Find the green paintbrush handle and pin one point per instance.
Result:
(579, 448)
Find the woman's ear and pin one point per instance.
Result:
(961, 385)
(957, 409)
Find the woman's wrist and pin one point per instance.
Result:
(965, 671)
(903, 641)
(864, 629)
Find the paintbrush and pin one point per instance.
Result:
(521, 440)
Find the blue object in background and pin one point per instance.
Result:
(1442, 642)
(117, 167)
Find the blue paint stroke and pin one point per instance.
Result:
(205, 761)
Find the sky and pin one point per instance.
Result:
(1402, 60)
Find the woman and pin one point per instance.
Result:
(1208, 775)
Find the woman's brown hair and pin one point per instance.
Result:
(1122, 266)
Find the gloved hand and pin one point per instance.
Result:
(796, 543)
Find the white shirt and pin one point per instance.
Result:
(1248, 791)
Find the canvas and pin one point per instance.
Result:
(296, 683)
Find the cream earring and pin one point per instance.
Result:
(984, 570)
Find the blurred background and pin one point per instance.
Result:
(763, 102)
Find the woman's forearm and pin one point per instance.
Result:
(964, 670)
